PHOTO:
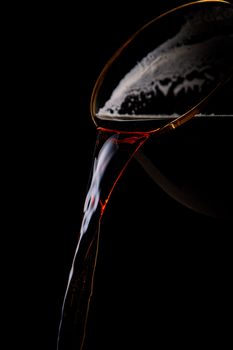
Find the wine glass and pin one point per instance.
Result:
(162, 79)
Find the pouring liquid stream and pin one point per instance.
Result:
(113, 151)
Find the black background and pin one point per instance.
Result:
(145, 295)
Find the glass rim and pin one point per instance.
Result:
(190, 113)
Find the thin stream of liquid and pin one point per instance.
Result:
(112, 154)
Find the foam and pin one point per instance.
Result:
(168, 68)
